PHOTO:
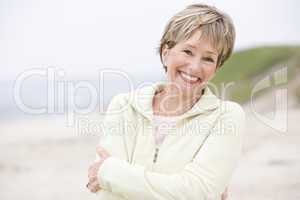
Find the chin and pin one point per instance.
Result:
(190, 91)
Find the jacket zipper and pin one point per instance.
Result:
(156, 150)
(155, 154)
(155, 157)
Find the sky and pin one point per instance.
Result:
(81, 37)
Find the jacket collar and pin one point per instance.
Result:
(143, 99)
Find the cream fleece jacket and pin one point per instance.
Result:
(194, 162)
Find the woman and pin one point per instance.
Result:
(174, 139)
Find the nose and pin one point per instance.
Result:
(195, 65)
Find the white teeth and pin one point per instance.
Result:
(189, 77)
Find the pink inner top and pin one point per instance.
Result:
(162, 125)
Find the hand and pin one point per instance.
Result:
(93, 184)
(224, 195)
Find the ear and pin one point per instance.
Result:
(164, 54)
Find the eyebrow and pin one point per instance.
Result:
(210, 52)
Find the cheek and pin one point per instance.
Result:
(175, 60)
(210, 72)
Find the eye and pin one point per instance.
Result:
(188, 52)
(209, 59)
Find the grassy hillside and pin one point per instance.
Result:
(247, 67)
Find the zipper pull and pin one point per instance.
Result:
(155, 155)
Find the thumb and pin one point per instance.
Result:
(101, 152)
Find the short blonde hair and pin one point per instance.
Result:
(215, 25)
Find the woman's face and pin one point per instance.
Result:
(190, 64)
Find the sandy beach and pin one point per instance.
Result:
(41, 158)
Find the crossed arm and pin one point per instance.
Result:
(206, 177)
(136, 191)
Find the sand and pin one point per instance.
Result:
(41, 158)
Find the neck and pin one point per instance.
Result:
(170, 102)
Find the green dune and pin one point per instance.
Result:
(246, 67)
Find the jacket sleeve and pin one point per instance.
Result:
(205, 177)
(111, 138)
(112, 133)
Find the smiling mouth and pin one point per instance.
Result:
(189, 79)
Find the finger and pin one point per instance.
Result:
(93, 178)
(224, 195)
(94, 186)
(90, 171)
(94, 169)
(101, 151)
(91, 184)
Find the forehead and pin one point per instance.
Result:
(198, 41)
